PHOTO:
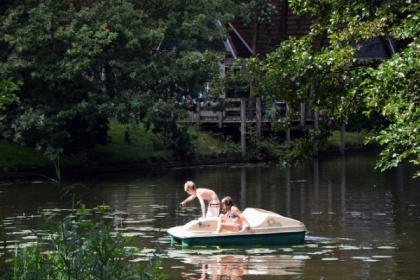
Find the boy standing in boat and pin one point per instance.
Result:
(202, 195)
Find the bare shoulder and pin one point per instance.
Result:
(235, 210)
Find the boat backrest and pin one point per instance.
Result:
(263, 218)
(257, 217)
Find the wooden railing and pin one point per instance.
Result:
(209, 114)
(239, 114)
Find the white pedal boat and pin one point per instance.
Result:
(267, 228)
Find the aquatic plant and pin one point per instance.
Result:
(79, 246)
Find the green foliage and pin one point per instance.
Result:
(236, 82)
(163, 118)
(332, 80)
(86, 62)
(362, 122)
(7, 92)
(352, 140)
(256, 14)
(191, 24)
(131, 144)
(15, 156)
(263, 147)
(144, 145)
(393, 91)
(214, 144)
(257, 11)
(79, 247)
(5, 255)
(61, 105)
(198, 77)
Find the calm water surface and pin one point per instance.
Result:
(362, 224)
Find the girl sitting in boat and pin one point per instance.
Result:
(232, 220)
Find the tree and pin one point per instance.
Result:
(257, 14)
(7, 92)
(335, 82)
(83, 62)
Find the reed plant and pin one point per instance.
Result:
(79, 246)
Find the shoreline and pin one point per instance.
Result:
(50, 172)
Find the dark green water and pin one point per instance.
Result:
(362, 224)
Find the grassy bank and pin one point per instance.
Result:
(141, 147)
(352, 139)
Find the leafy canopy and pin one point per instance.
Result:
(333, 80)
(84, 62)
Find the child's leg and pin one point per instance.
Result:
(229, 227)
(226, 224)
(222, 220)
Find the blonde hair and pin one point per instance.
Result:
(189, 185)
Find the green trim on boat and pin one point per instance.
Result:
(287, 238)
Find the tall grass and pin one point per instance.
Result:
(79, 246)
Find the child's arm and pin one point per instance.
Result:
(203, 205)
(245, 222)
(188, 199)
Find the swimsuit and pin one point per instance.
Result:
(233, 216)
(213, 209)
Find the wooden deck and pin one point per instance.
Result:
(237, 117)
(207, 118)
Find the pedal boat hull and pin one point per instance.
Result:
(267, 228)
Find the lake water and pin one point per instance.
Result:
(362, 224)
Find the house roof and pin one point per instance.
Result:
(286, 24)
(376, 48)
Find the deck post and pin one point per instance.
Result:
(316, 124)
(220, 113)
(258, 121)
(288, 190)
(302, 115)
(288, 129)
(243, 185)
(243, 131)
(198, 121)
(342, 139)
(316, 182)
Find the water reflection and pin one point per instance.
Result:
(229, 266)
